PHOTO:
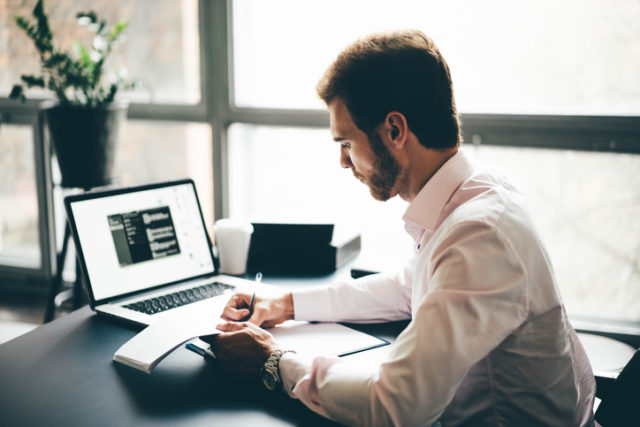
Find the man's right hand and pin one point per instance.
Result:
(268, 311)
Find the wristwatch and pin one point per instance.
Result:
(270, 372)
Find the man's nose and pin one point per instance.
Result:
(345, 160)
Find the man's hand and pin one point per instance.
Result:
(242, 348)
(267, 311)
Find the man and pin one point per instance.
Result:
(489, 342)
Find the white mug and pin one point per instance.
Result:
(232, 239)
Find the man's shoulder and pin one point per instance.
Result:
(483, 197)
(489, 202)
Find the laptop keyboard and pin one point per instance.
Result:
(177, 299)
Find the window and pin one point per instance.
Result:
(509, 61)
(167, 136)
(586, 206)
(549, 94)
(542, 57)
(156, 151)
(161, 47)
(19, 237)
(293, 174)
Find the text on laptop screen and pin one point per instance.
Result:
(139, 240)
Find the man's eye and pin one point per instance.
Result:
(345, 145)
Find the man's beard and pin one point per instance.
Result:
(385, 170)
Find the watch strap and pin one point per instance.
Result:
(270, 371)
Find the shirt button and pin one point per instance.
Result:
(419, 246)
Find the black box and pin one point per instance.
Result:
(299, 249)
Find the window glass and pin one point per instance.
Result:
(584, 204)
(19, 241)
(159, 151)
(294, 175)
(542, 57)
(161, 46)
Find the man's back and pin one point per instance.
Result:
(538, 374)
(489, 342)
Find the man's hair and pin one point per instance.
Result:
(400, 71)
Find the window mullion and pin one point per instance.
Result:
(215, 30)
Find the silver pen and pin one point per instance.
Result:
(253, 296)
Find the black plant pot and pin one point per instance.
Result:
(85, 140)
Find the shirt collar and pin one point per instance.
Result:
(424, 210)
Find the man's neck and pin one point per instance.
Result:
(423, 164)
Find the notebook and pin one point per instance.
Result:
(144, 252)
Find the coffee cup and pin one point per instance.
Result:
(232, 239)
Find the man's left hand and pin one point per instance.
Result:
(242, 348)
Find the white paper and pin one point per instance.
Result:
(327, 339)
(157, 340)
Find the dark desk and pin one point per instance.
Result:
(62, 374)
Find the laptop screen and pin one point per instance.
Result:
(138, 240)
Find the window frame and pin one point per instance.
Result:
(28, 115)
(614, 134)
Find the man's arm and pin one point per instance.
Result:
(370, 299)
(477, 298)
(375, 298)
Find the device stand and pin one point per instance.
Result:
(57, 298)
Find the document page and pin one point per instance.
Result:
(323, 339)
(151, 345)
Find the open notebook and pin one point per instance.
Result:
(149, 347)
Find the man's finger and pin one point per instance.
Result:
(231, 313)
(259, 315)
(230, 326)
(238, 300)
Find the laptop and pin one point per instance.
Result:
(144, 252)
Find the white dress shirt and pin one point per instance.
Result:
(489, 342)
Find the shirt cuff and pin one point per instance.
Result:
(312, 304)
(293, 368)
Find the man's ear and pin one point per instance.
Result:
(396, 129)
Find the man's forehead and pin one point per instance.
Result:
(341, 124)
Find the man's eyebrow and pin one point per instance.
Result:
(339, 138)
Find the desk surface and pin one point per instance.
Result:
(62, 373)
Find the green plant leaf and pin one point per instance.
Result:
(17, 92)
(32, 81)
(31, 31)
(44, 35)
(22, 23)
(113, 89)
(117, 29)
(75, 79)
(85, 57)
(56, 60)
(97, 72)
(90, 15)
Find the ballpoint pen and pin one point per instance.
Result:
(204, 352)
(253, 296)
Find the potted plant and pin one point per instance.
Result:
(84, 122)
